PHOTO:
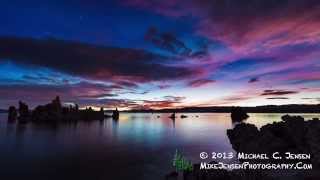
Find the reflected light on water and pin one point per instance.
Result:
(141, 143)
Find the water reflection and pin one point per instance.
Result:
(21, 128)
(140, 144)
(173, 123)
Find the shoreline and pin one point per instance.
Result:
(202, 112)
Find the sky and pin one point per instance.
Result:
(142, 54)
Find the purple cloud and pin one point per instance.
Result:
(253, 80)
(201, 82)
(277, 92)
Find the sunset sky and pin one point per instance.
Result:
(160, 53)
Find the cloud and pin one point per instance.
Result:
(167, 102)
(277, 92)
(167, 41)
(253, 80)
(82, 93)
(279, 36)
(127, 84)
(123, 65)
(315, 99)
(36, 94)
(110, 103)
(231, 100)
(40, 78)
(278, 98)
(97, 96)
(201, 82)
(246, 25)
(254, 23)
(164, 86)
(147, 104)
(174, 98)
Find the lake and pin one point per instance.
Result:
(138, 146)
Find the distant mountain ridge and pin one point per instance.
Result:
(290, 108)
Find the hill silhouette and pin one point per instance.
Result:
(290, 108)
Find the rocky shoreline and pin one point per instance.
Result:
(293, 134)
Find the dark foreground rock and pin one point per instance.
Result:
(293, 134)
(238, 114)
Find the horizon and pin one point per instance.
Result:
(160, 55)
(98, 108)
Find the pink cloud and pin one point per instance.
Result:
(201, 82)
(246, 26)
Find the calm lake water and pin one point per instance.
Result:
(138, 146)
